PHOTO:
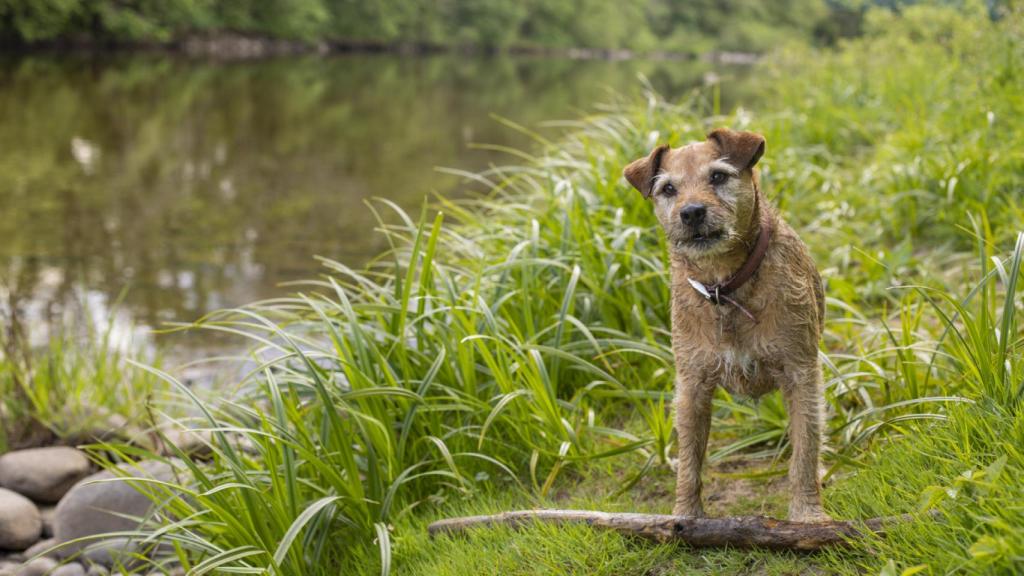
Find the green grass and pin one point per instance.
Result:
(78, 384)
(740, 488)
(513, 349)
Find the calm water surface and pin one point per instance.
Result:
(181, 186)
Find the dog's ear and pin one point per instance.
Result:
(742, 149)
(641, 172)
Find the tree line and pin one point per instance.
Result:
(693, 26)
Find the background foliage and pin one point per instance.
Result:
(669, 25)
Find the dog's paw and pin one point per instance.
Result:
(809, 515)
(688, 511)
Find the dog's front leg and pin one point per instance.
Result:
(802, 392)
(693, 422)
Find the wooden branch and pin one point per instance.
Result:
(737, 531)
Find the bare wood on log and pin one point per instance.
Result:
(736, 531)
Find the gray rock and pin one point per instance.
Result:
(97, 570)
(40, 547)
(37, 567)
(103, 503)
(43, 474)
(107, 552)
(72, 569)
(20, 524)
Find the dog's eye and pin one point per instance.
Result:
(717, 177)
(668, 190)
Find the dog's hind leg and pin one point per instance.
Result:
(693, 422)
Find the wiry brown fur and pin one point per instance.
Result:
(717, 345)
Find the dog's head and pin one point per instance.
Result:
(704, 194)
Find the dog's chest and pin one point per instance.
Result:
(729, 351)
(723, 344)
(741, 372)
(733, 360)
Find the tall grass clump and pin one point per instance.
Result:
(78, 385)
(513, 339)
(967, 468)
(478, 351)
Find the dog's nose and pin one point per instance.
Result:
(693, 214)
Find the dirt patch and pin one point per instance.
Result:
(737, 487)
(741, 487)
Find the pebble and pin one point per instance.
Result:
(100, 504)
(72, 569)
(20, 523)
(38, 567)
(43, 474)
(40, 547)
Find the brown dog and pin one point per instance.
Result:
(747, 303)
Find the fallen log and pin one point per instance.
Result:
(736, 531)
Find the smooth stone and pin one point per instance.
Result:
(92, 508)
(97, 570)
(20, 524)
(72, 569)
(43, 474)
(37, 567)
(107, 552)
(40, 547)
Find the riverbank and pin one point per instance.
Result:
(233, 46)
(591, 28)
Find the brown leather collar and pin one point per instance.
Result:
(720, 292)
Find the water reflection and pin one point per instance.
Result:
(200, 185)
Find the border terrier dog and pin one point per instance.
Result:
(747, 304)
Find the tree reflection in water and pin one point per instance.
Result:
(197, 185)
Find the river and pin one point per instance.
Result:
(174, 186)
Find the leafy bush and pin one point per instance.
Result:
(693, 27)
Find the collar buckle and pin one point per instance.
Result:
(700, 288)
(712, 294)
